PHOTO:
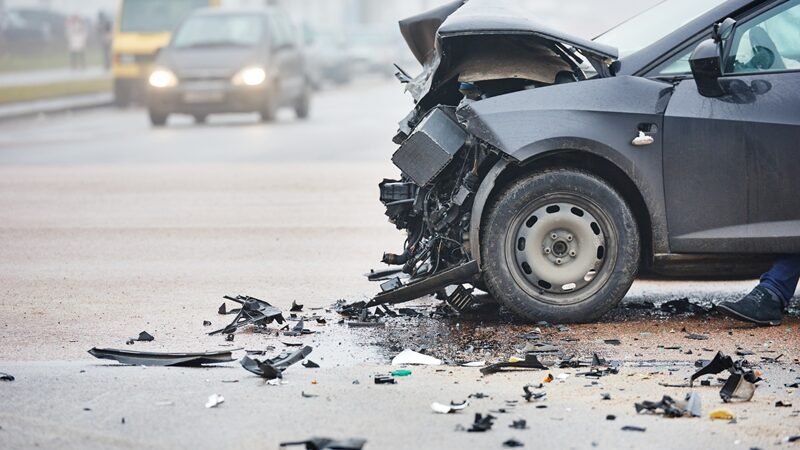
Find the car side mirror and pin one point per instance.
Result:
(706, 64)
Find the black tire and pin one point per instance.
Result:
(302, 107)
(269, 109)
(157, 118)
(200, 118)
(602, 236)
(122, 93)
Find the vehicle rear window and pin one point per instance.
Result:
(220, 30)
(154, 16)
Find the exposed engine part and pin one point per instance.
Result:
(460, 298)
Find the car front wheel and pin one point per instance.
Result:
(158, 118)
(560, 246)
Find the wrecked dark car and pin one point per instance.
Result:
(551, 170)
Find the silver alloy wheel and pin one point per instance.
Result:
(560, 246)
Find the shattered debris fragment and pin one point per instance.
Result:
(721, 414)
(482, 423)
(782, 404)
(304, 395)
(309, 364)
(520, 424)
(206, 323)
(612, 341)
(295, 307)
(214, 400)
(683, 306)
(667, 405)
(385, 379)
(400, 373)
(298, 329)
(328, 444)
(530, 362)
(411, 357)
(273, 368)
(530, 396)
(740, 385)
(449, 409)
(633, 428)
(144, 336)
(162, 359)
(6, 377)
(252, 312)
(513, 443)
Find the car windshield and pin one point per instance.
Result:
(653, 24)
(219, 31)
(155, 16)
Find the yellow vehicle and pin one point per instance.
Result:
(142, 28)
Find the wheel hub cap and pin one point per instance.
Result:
(559, 248)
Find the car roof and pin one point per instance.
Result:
(225, 10)
(636, 63)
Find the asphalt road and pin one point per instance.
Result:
(109, 227)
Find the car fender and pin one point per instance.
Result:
(598, 117)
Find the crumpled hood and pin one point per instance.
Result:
(216, 61)
(445, 40)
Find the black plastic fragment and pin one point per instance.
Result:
(781, 404)
(206, 323)
(482, 423)
(633, 428)
(253, 312)
(328, 444)
(612, 341)
(683, 306)
(273, 368)
(162, 359)
(298, 329)
(697, 337)
(309, 364)
(6, 376)
(667, 405)
(530, 395)
(513, 443)
(144, 336)
(739, 383)
(530, 362)
(385, 379)
(520, 424)
(295, 307)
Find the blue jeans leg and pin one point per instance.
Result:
(782, 278)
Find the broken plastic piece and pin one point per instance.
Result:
(482, 423)
(309, 364)
(273, 368)
(530, 362)
(298, 329)
(741, 383)
(6, 377)
(144, 336)
(549, 378)
(328, 444)
(162, 359)
(667, 405)
(633, 428)
(449, 409)
(295, 307)
(721, 414)
(520, 424)
(513, 443)
(385, 379)
(612, 341)
(401, 373)
(781, 404)
(409, 356)
(214, 400)
(253, 312)
(474, 364)
(530, 395)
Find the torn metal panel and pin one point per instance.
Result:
(416, 289)
(162, 359)
(273, 368)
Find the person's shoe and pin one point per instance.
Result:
(760, 306)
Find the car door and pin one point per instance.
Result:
(732, 163)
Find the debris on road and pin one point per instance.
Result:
(295, 307)
(482, 423)
(144, 336)
(328, 444)
(633, 428)
(530, 362)
(530, 396)
(400, 373)
(449, 409)
(6, 377)
(411, 357)
(513, 443)
(385, 379)
(214, 400)
(309, 364)
(740, 385)
(298, 329)
(273, 368)
(684, 306)
(612, 341)
(253, 312)
(721, 414)
(782, 404)
(162, 359)
(691, 406)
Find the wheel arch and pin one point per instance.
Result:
(507, 170)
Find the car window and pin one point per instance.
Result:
(677, 65)
(219, 30)
(768, 42)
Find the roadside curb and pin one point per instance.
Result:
(55, 105)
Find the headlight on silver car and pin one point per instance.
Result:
(250, 76)
(162, 78)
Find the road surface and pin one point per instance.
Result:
(109, 227)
